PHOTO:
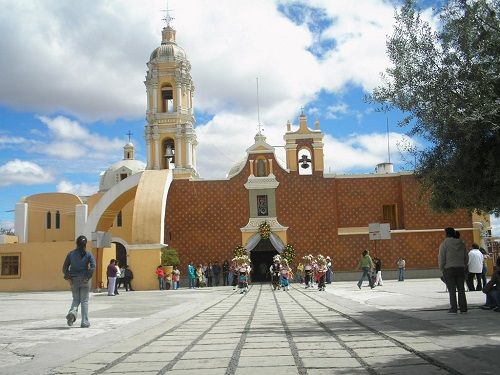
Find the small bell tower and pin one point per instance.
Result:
(170, 135)
(304, 148)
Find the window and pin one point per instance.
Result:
(167, 99)
(49, 220)
(119, 219)
(58, 220)
(262, 208)
(390, 216)
(305, 162)
(261, 168)
(9, 265)
(123, 176)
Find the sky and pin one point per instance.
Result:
(72, 84)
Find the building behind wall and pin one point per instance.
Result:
(146, 206)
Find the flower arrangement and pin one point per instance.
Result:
(240, 251)
(321, 260)
(308, 259)
(239, 260)
(277, 258)
(264, 230)
(289, 253)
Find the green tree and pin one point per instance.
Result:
(169, 257)
(447, 82)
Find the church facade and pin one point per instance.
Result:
(141, 208)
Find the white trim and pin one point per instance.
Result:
(152, 246)
(266, 182)
(254, 222)
(354, 231)
(106, 200)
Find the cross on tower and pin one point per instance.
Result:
(168, 18)
(129, 135)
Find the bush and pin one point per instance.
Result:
(169, 257)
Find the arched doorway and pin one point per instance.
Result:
(121, 254)
(261, 257)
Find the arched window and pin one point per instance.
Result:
(167, 98)
(261, 168)
(119, 219)
(49, 220)
(58, 220)
(169, 153)
(305, 162)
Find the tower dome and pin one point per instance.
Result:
(168, 50)
(121, 169)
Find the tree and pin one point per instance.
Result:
(7, 231)
(447, 82)
(169, 257)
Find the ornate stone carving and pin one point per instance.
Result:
(267, 182)
(254, 222)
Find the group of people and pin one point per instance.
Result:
(455, 262)
(168, 280)
(208, 275)
(280, 273)
(118, 276)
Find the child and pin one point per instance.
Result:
(285, 274)
(275, 270)
(243, 278)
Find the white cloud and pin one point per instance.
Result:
(495, 225)
(69, 140)
(23, 173)
(78, 189)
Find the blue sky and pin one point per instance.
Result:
(72, 84)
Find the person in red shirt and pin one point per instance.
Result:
(161, 277)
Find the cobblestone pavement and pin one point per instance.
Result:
(400, 328)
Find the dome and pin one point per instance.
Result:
(236, 168)
(118, 171)
(168, 50)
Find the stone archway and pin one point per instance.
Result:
(261, 258)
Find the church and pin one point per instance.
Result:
(142, 208)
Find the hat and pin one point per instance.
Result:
(328, 257)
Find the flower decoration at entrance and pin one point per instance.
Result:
(240, 251)
(264, 230)
(289, 253)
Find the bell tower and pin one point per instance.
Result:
(304, 148)
(169, 132)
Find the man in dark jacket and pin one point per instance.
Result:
(452, 261)
(492, 290)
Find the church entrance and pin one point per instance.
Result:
(121, 254)
(262, 258)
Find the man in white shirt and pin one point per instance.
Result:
(475, 268)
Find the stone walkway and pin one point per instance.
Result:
(400, 328)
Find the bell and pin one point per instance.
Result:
(304, 165)
(169, 153)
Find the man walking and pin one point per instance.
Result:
(475, 268)
(452, 261)
(78, 269)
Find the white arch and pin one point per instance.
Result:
(107, 199)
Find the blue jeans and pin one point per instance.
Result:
(493, 298)
(80, 289)
(366, 272)
(161, 283)
(192, 282)
(401, 276)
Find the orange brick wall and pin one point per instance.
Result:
(204, 218)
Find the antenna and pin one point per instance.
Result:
(258, 108)
(388, 144)
(168, 18)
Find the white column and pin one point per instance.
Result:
(191, 102)
(81, 214)
(194, 157)
(189, 149)
(179, 160)
(157, 152)
(179, 97)
(21, 222)
(155, 99)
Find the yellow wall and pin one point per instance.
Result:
(143, 264)
(39, 205)
(41, 266)
(124, 232)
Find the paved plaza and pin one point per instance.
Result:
(399, 328)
